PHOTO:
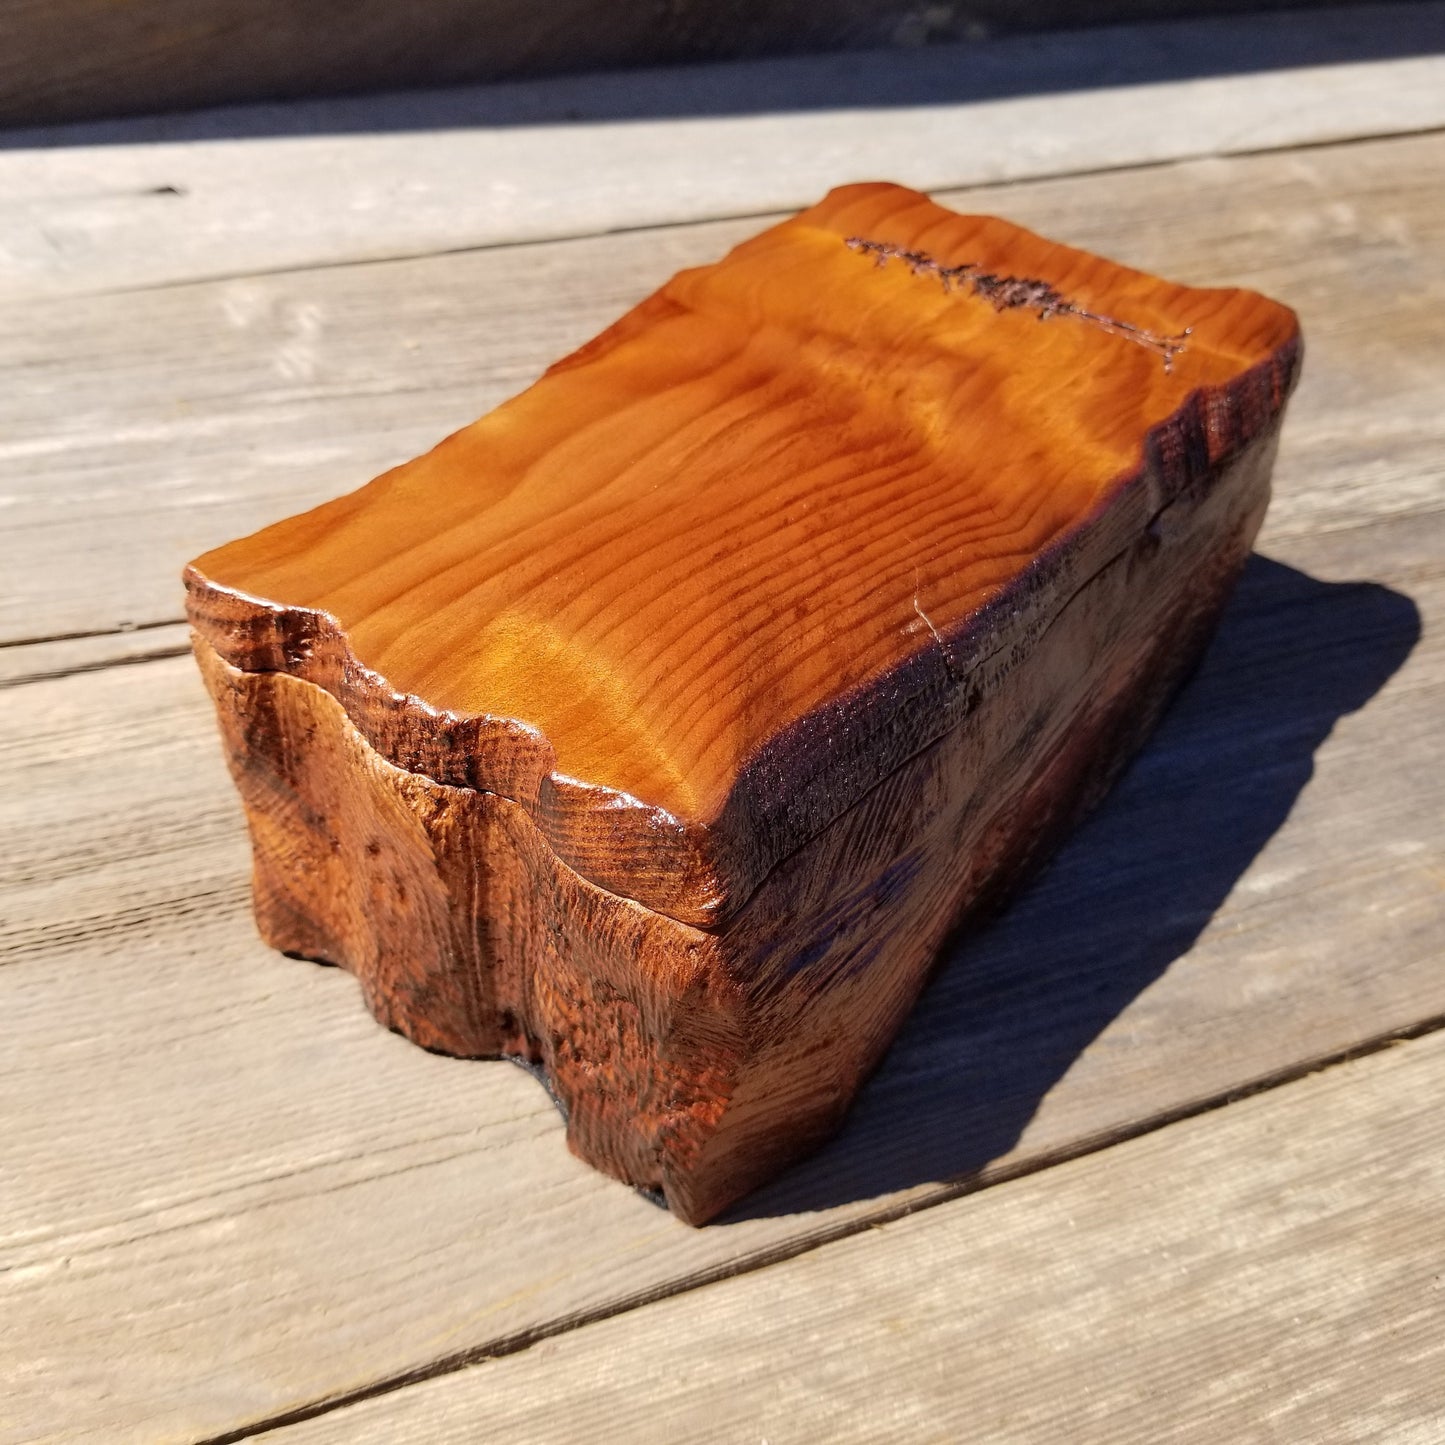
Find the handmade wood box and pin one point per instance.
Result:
(657, 727)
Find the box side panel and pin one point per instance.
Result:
(466, 933)
(703, 1062)
(837, 943)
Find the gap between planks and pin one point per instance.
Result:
(218, 1147)
(1267, 1269)
(794, 1249)
(122, 412)
(131, 927)
(759, 219)
(150, 202)
(46, 659)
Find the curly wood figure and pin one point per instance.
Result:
(658, 727)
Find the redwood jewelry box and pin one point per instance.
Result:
(656, 728)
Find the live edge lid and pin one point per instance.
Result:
(697, 591)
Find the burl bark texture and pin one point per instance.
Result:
(658, 727)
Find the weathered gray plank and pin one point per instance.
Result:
(230, 1195)
(165, 54)
(140, 430)
(24, 662)
(414, 175)
(213, 1154)
(1268, 1272)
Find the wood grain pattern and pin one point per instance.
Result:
(293, 386)
(220, 1203)
(29, 662)
(1270, 1271)
(658, 625)
(792, 491)
(240, 193)
(217, 1146)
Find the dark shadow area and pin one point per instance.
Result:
(1015, 1003)
(1040, 64)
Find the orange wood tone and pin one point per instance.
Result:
(657, 726)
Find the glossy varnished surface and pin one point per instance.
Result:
(698, 1062)
(727, 566)
(656, 729)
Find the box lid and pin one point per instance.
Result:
(693, 594)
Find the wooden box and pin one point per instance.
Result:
(657, 727)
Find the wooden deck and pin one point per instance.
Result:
(1160, 1156)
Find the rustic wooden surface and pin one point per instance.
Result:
(808, 604)
(279, 368)
(693, 534)
(237, 194)
(211, 1154)
(1270, 1271)
(155, 55)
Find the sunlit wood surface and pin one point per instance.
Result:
(231, 1201)
(808, 604)
(759, 490)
